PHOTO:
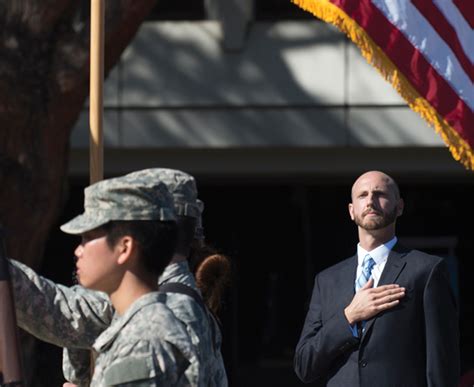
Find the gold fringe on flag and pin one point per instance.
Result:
(325, 10)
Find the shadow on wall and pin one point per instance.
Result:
(177, 87)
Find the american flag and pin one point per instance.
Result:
(425, 48)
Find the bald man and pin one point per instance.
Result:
(386, 316)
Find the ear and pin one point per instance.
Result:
(400, 206)
(125, 248)
(351, 211)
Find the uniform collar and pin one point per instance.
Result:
(106, 338)
(174, 270)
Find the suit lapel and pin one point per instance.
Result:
(395, 264)
(347, 280)
(393, 268)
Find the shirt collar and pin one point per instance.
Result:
(379, 254)
(174, 270)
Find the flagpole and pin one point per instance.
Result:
(96, 102)
(96, 107)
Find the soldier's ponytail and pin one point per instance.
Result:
(212, 271)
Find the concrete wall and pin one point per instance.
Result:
(293, 85)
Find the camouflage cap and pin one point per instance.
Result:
(181, 185)
(136, 196)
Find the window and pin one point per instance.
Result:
(178, 10)
(279, 10)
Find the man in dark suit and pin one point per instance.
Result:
(385, 317)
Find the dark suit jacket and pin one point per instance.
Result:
(414, 344)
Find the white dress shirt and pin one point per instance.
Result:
(379, 254)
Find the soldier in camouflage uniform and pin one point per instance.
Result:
(200, 324)
(128, 232)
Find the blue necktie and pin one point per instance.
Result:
(367, 265)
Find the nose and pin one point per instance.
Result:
(78, 251)
(370, 199)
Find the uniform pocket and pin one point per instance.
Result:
(132, 370)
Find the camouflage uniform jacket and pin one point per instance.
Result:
(206, 338)
(148, 342)
(200, 324)
(144, 347)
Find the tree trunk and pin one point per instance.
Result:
(44, 81)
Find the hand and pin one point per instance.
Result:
(67, 384)
(369, 301)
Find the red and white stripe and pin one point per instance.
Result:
(432, 43)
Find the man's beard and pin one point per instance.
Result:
(378, 222)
